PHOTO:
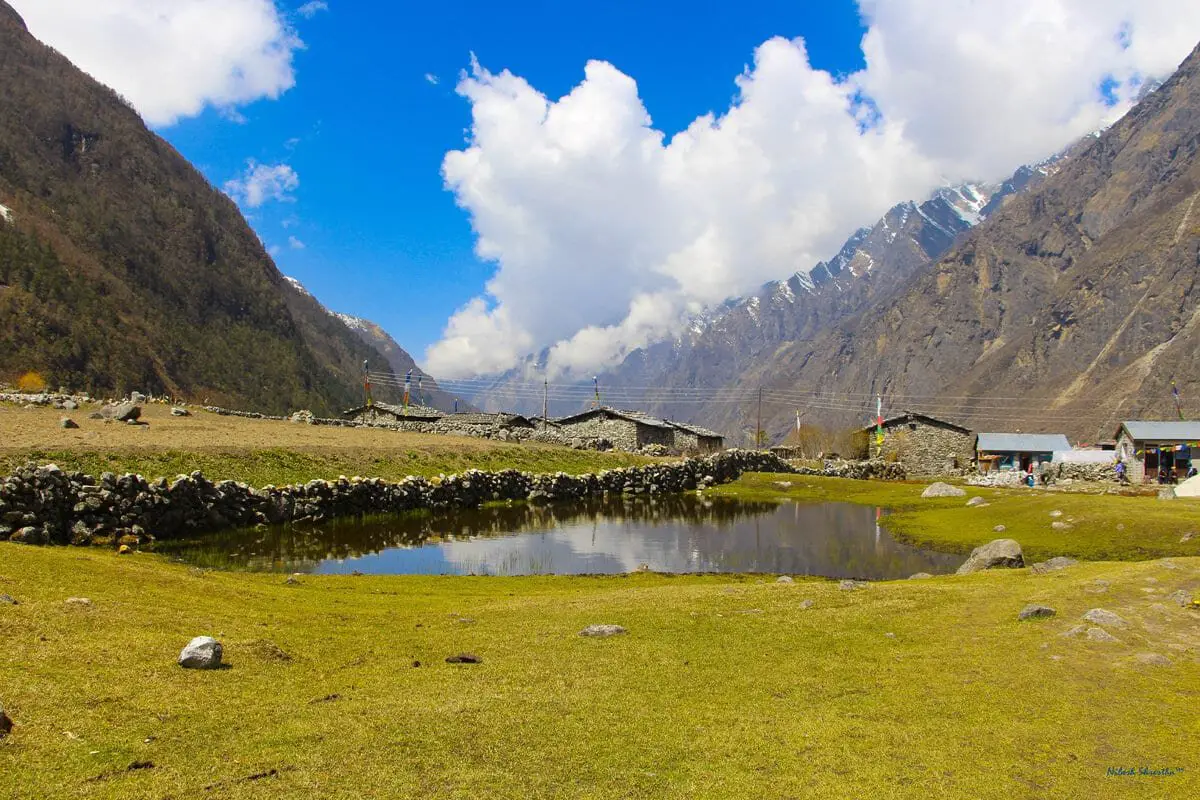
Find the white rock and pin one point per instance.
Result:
(602, 630)
(203, 652)
(995, 554)
(1102, 616)
(941, 489)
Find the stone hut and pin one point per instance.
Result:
(1149, 446)
(386, 413)
(924, 445)
(627, 430)
(483, 420)
(694, 439)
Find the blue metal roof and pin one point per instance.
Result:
(1145, 430)
(1022, 442)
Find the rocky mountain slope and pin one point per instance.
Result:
(1073, 306)
(122, 268)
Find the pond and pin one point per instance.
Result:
(674, 534)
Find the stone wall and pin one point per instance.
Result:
(926, 449)
(624, 434)
(40, 505)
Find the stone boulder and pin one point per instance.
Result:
(940, 489)
(1102, 616)
(1034, 611)
(68, 424)
(122, 412)
(976, 501)
(997, 554)
(180, 412)
(6, 723)
(203, 652)
(1053, 565)
(602, 630)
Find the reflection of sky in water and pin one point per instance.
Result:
(830, 539)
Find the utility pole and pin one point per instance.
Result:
(545, 400)
(758, 437)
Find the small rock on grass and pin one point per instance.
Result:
(464, 658)
(1153, 659)
(180, 412)
(68, 423)
(976, 501)
(602, 630)
(784, 579)
(78, 601)
(1035, 611)
(850, 586)
(1183, 597)
(1000, 528)
(1187, 537)
(806, 604)
(941, 489)
(203, 652)
(1056, 513)
(1102, 616)
(293, 579)
(999, 553)
(1100, 635)
(7, 600)
(1053, 565)
(919, 576)
(6, 723)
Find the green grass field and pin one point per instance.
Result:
(723, 687)
(1101, 526)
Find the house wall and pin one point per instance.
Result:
(925, 449)
(649, 434)
(622, 433)
(1135, 466)
(374, 415)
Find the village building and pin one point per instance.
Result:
(1149, 447)
(694, 439)
(626, 430)
(485, 420)
(925, 445)
(386, 414)
(1004, 452)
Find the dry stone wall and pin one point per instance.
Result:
(927, 449)
(44, 504)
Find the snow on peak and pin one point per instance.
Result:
(297, 285)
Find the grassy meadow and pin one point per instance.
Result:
(725, 686)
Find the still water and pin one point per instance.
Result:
(675, 534)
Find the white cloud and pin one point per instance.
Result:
(261, 183)
(431, 78)
(605, 234)
(172, 60)
(312, 8)
(295, 243)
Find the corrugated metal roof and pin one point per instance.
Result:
(1022, 442)
(1147, 430)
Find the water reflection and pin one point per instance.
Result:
(675, 534)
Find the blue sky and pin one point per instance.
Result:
(622, 165)
(366, 131)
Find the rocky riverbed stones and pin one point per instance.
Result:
(997, 554)
(1035, 611)
(203, 652)
(941, 489)
(602, 631)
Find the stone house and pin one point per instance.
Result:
(627, 430)
(386, 413)
(497, 420)
(1005, 452)
(924, 445)
(1149, 446)
(694, 439)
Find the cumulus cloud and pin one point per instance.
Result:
(261, 183)
(295, 243)
(606, 234)
(312, 8)
(172, 60)
(431, 78)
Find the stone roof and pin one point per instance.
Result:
(482, 418)
(1169, 431)
(1022, 443)
(695, 430)
(412, 412)
(632, 416)
(912, 416)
